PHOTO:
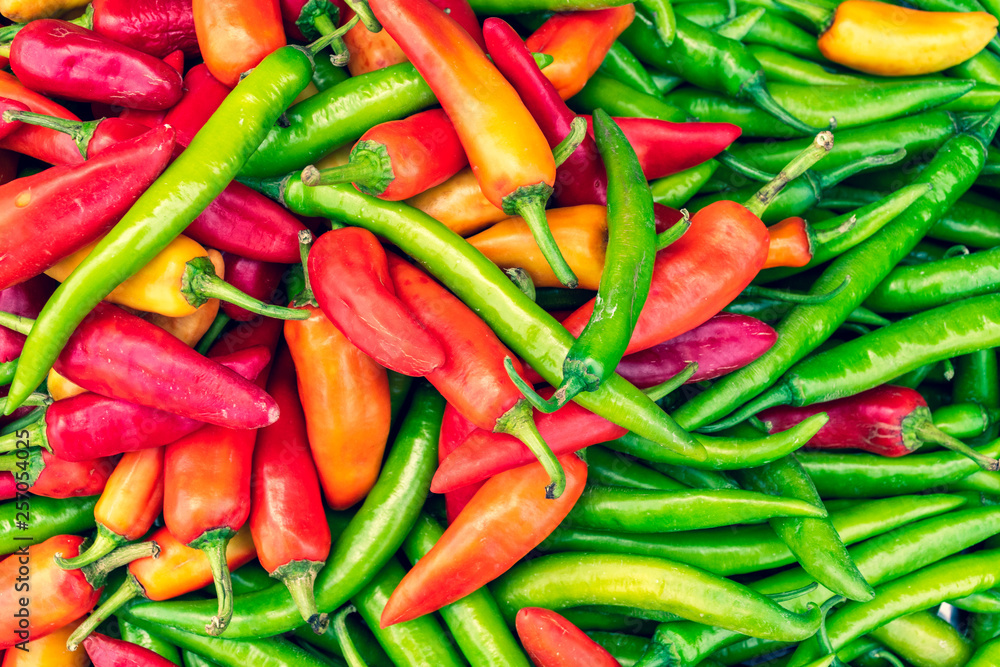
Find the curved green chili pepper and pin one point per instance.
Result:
(987, 655)
(622, 65)
(608, 468)
(926, 638)
(966, 420)
(146, 639)
(695, 478)
(615, 97)
(782, 66)
(707, 13)
(773, 30)
(977, 379)
(626, 649)
(567, 580)
(374, 534)
(911, 288)
(676, 190)
(590, 618)
(984, 67)
(175, 199)
(48, 517)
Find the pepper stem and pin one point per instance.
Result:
(213, 333)
(81, 132)
(546, 406)
(780, 394)
(335, 40)
(361, 8)
(30, 462)
(520, 423)
(7, 371)
(129, 590)
(739, 27)
(758, 292)
(520, 277)
(104, 543)
(21, 325)
(97, 572)
(35, 436)
(306, 297)
(662, 13)
(299, 576)
(886, 655)
(928, 432)
(572, 141)
(351, 654)
(784, 596)
(820, 17)
(831, 177)
(24, 422)
(820, 146)
(214, 543)
(675, 232)
(658, 391)
(986, 129)
(369, 169)
(828, 234)
(531, 208)
(200, 283)
(756, 90)
(743, 168)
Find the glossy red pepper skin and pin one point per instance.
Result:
(256, 278)
(155, 369)
(464, 16)
(203, 94)
(156, 27)
(71, 206)
(291, 11)
(7, 104)
(879, 421)
(507, 518)
(104, 651)
(349, 274)
(64, 60)
(70, 479)
(39, 142)
(697, 276)
(112, 131)
(26, 299)
(581, 178)
(552, 641)
(259, 331)
(454, 430)
(58, 596)
(8, 486)
(148, 118)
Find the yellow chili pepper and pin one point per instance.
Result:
(48, 651)
(459, 204)
(22, 11)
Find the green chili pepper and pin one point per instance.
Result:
(695, 478)
(924, 638)
(739, 27)
(707, 13)
(46, 517)
(588, 618)
(195, 660)
(966, 420)
(676, 190)
(974, 221)
(373, 535)
(142, 637)
(977, 379)
(416, 643)
(176, 198)
(769, 310)
(986, 602)
(622, 65)
(773, 30)
(608, 468)
(782, 66)
(566, 580)
(951, 172)
(983, 628)
(626, 649)
(615, 97)
(326, 75)
(709, 61)
(984, 67)
(474, 621)
(988, 654)
(814, 541)
(361, 637)
(912, 288)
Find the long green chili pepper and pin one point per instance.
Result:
(988, 654)
(49, 517)
(984, 67)
(695, 478)
(977, 380)
(780, 65)
(706, 13)
(374, 534)
(983, 628)
(925, 638)
(986, 602)
(615, 97)
(626, 649)
(175, 199)
(609, 468)
(911, 288)
(622, 65)
(768, 310)
(951, 172)
(625, 280)
(142, 637)
(676, 190)
(773, 30)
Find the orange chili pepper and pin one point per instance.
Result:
(578, 41)
(370, 50)
(459, 204)
(790, 243)
(235, 35)
(48, 651)
(345, 395)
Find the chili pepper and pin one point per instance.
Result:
(400, 159)
(474, 621)
(178, 569)
(774, 30)
(707, 14)
(256, 279)
(286, 520)
(459, 204)
(607, 468)
(867, 264)
(494, 7)
(602, 92)
(976, 380)
(306, 21)
(930, 285)
(49, 517)
(151, 26)
(490, 532)
(965, 420)
(578, 41)
(923, 636)
(741, 550)
(779, 65)
(65, 60)
(41, 204)
(107, 652)
(349, 274)
(455, 429)
(91, 137)
(146, 118)
(236, 37)
(371, 51)
(622, 65)
(203, 94)
(49, 476)
(676, 190)
(552, 641)
(139, 636)
(41, 143)
(10, 124)
(25, 299)
(49, 650)
(793, 241)
(61, 596)
(154, 221)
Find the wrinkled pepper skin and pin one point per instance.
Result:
(156, 27)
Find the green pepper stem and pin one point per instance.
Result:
(299, 576)
(306, 297)
(520, 277)
(104, 543)
(351, 654)
(955, 251)
(820, 146)
(546, 406)
(656, 392)
(33, 433)
(794, 593)
(324, 24)
(572, 141)
(200, 283)
(743, 168)
(80, 132)
(739, 27)
(820, 17)
(7, 371)
(97, 572)
(886, 655)
(369, 169)
(21, 325)
(364, 12)
(758, 292)
(780, 394)
(213, 333)
(662, 13)
(831, 177)
(675, 232)
(214, 543)
(128, 591)
(532, 209)
(520, 423)
(335, 40)
(756, 90)
(22, 423)
(822, 636)
(828, 234)
(928, 432)
(986, 129)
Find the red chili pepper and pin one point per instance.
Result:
(91, 137)
(696, 276)
(8, 486)
(264, 331)
(58, 596)
(71, 206)
(349, 275)
(370, 51)
(464, 16)
(509, 155)
(151, 119)
(578, 41)
(8, 166)
(399, 159)
(202, 96)
(504, 521)
(887, 420)
(454, 430)
(235, 35)
(287, 521)
(256, 278)
(294, 13)
(64, 60)
(473, 378)
(89, 426)
(8, 126)
(104, 651)
(57, 478)
(38, 142)
(793, 241)
(552, 641)
(156, 27)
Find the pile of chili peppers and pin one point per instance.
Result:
(499, 333)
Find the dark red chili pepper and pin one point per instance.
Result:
(256, 278)
(399, 159)
(38, 142)
(462, 13)
(260, 331)
(156, 27)
(349, 276)
(454, 430)
(71, 206)
(8, 486)
(91, 137)
(104, 651)
(203, 94)
(64, 60)
(152, 118)
(48, 475)
(8, 165)
(287, 521)
(552, 641)
(155, 369)
(89, 425)
(886, 420)
(9, 125)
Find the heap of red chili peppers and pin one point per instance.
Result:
(536, 332)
